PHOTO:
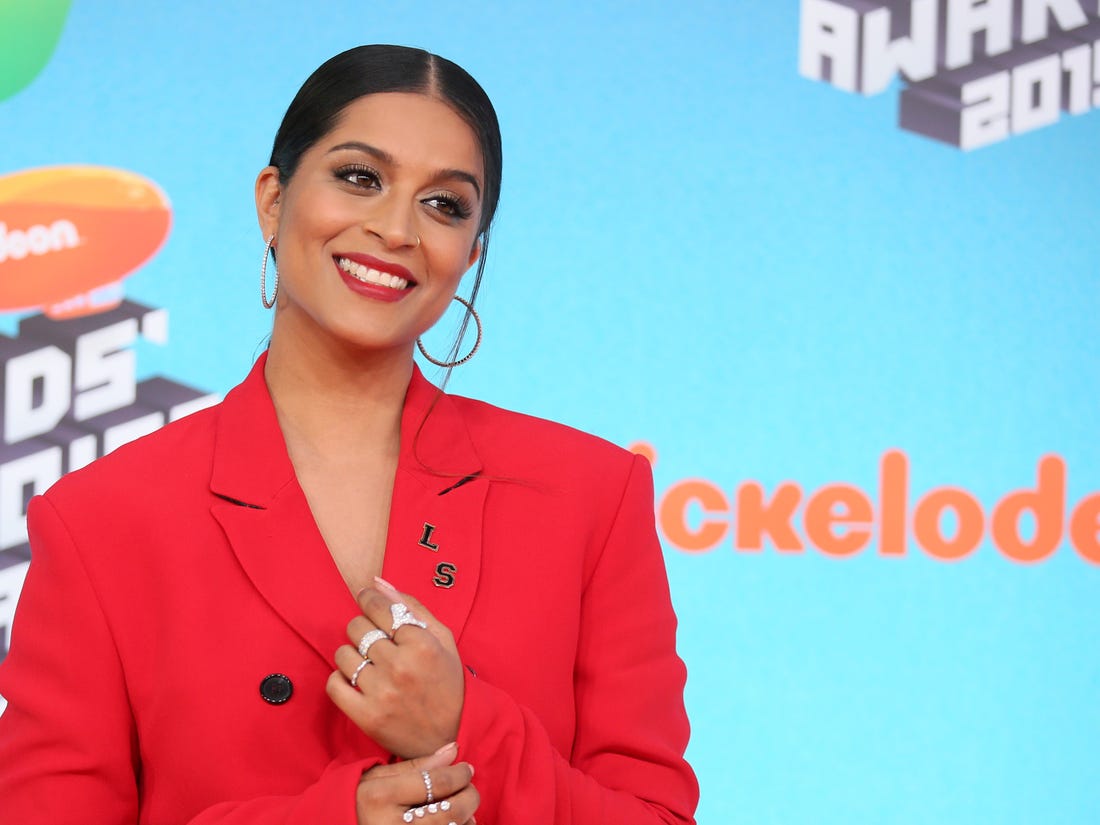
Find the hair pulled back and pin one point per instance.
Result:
(367, 70)
(374, 69)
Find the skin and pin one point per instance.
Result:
(337, 370)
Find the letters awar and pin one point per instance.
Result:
(979, 71)
(946, 523)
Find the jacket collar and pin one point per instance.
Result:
(433, 546)
(251, 464)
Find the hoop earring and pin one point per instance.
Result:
(263, 276)
(448, 364)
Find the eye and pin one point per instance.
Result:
(450, 205)
(359, 175)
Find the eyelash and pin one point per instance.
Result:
(453, 206)
(345, 173)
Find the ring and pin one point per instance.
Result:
(369, 638)
(355, 676)
(428, 786)
(402, 617)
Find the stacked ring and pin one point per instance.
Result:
(355, 676)
(402, 617)
(431, 808)
(369, 638)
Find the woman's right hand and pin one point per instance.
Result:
(387, 792)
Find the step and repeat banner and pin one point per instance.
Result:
(833, 266)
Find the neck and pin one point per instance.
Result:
(337, 401)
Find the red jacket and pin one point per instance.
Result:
(172, 576)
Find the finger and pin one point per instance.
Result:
(358, 630)
(403, 784)
(435, 627)
(378, 605)
(343, 695)
(440, 759)
(456, 807)
(350, 664)
(376, 600)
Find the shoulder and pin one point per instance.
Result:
(515, 444)
(153, 466)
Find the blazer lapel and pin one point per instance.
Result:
(433, 549)
(268, 522)
(433, 546)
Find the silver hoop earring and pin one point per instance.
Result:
(263, 276)
(448, 364)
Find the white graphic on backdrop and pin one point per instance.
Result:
(70, 394)
(979, 71)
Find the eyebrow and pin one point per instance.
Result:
(385, 157)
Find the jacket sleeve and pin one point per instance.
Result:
(627, 764)
(69, 750)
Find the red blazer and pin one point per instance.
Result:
(172, 576)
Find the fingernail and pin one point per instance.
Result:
(385, 585)
(450, 746)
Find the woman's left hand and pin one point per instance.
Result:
(409, 698)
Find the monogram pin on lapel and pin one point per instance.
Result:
(444, 571)
(426, 538)
(444, 575)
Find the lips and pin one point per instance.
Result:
(370, 270)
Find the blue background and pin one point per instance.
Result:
(759, 275)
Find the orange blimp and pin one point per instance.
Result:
(70, 234)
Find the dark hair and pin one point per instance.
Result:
(367, 70)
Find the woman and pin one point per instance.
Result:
(510, 655)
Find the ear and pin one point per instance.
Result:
(475, 253)
(268, 203)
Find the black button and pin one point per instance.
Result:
(276, 688)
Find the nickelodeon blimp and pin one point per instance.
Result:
(70, 234)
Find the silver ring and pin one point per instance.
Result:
(355, 676)
(402, 617)
(427, 777)
(369, 638)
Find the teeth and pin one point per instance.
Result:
(370, 276)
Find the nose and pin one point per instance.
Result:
(391, 220)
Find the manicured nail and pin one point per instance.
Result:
(450, 746)
(385, 585)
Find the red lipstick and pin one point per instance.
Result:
(377, 292)
(371, 262)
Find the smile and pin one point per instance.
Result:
(371, 276)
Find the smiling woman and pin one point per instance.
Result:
(386, 206)
(380, 585)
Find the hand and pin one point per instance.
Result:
(409, 698)
(387, 792)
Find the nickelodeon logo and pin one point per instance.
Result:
(37, 240)
(840, 520)
(70, 234)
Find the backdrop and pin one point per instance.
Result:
(833, 266)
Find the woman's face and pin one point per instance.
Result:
(378, 224)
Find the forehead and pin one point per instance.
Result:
(416, 129)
